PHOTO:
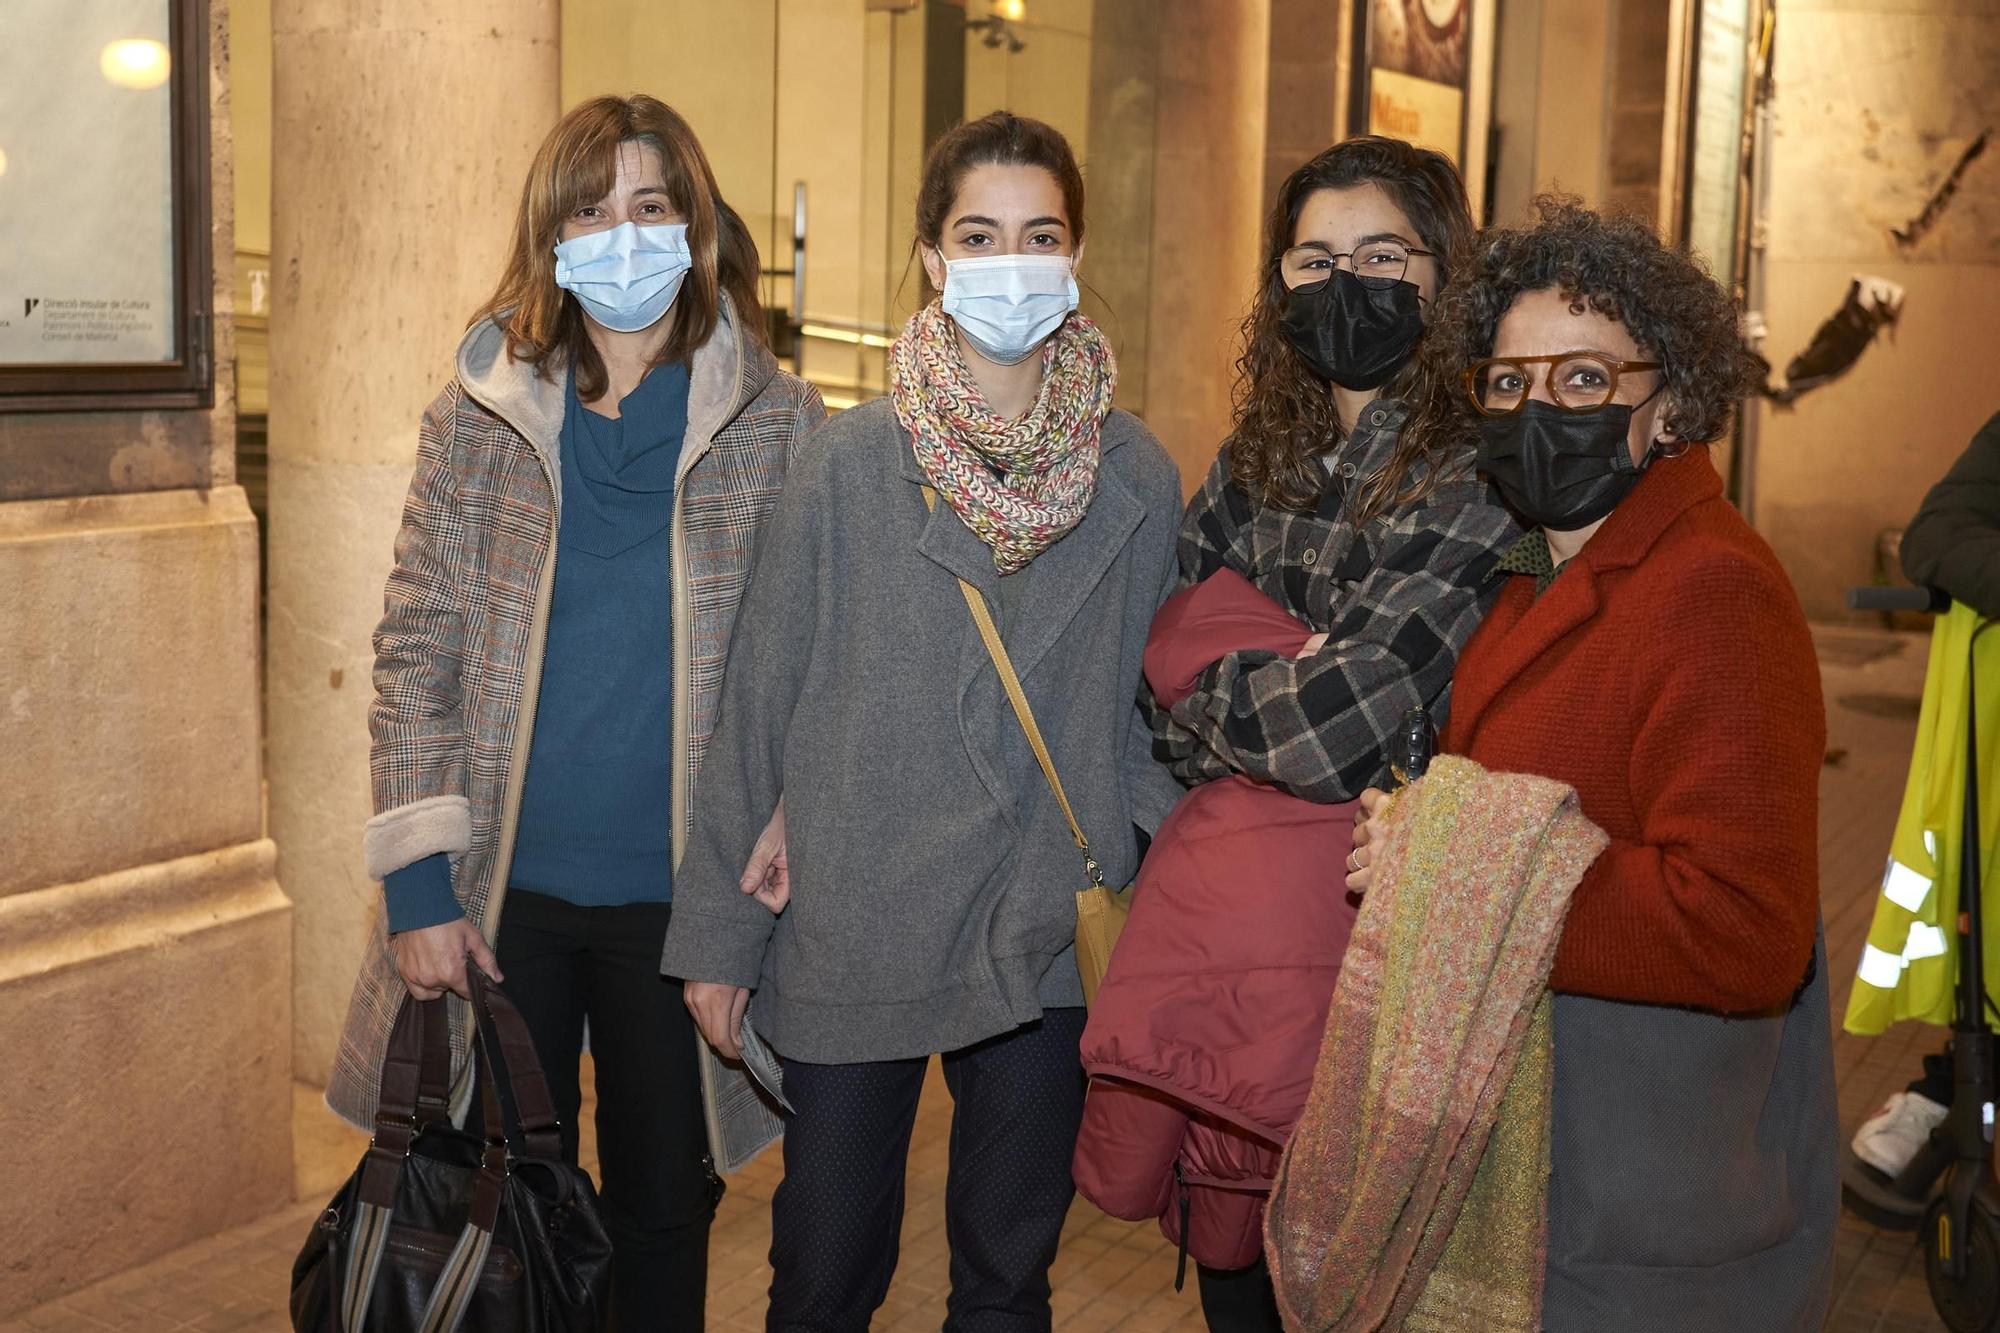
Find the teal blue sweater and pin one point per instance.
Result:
(596, 822)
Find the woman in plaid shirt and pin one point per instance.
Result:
(1346, 491)
(1346, 494)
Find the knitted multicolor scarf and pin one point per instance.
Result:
(1413, 1192)
(1020, 485)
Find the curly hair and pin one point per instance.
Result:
(1617, 266)
(1286, 417)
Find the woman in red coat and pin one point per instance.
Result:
(1647, 649)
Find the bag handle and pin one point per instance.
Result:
(415, 1075)
(510, 1053)
(1018, 697)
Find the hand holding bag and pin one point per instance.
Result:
(1100, 910)
(438, 1228)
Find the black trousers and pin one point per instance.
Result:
(1239, 1300)
(565, 964)
(1017, 1100)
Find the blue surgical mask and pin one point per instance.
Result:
(1006, 305)
(627, 276)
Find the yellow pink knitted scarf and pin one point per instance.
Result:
(1020, 485)
(1413, 1192)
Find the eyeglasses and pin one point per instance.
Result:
(1578, 381)
(1378, 263)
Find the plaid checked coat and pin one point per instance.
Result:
(1397, 598)
(459, 648)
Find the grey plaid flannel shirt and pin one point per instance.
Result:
(1397, 597)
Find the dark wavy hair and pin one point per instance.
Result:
(1617, 266)
(1285, 413)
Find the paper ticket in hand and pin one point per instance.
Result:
(762, 1063)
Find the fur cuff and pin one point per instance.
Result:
(407, 834)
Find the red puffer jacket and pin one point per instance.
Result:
(1201, 1043)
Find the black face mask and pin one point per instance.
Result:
(1560, 470)
(1351, 333)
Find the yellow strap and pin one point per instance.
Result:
(1002, 663)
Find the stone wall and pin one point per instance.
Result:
(145, 948)
(1875, 102)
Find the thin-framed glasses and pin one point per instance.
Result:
(1578, 381)
(1378, 263)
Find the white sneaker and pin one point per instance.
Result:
(1890, 1138)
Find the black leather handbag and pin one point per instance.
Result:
(440, 1229)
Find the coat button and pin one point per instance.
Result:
(1310, 557)
(1378, 416)
(1347, 469)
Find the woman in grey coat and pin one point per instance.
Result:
(932, 876)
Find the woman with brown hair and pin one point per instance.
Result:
(1345, 494)
(932, 875)
(589, 488)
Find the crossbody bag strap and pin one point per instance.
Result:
(1011, 682)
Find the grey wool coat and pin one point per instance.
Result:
(933, 878)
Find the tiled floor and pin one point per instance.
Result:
(1116, 1275)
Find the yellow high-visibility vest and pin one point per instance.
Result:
(1910, 963)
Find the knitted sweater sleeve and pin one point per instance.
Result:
(1716, 903)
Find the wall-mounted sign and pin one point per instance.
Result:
(104, 236)
(1412, 61)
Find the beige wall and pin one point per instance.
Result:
(1049, 79)
(1875, 101)
(711, 62)
(145, 948)
(250, 112)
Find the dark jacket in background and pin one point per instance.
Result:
(1954, 541)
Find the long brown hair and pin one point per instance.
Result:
(999, 138)
(577, 165)
(1285, 413)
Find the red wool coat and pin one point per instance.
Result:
(1202, 1041)
(1668, 675)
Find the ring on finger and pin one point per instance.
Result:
(1354, 860)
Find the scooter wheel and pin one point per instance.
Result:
(1969, 1303)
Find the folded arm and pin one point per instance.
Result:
(1317, 726)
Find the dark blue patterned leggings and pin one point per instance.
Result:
(837, 1215)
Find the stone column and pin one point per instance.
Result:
(401, 134)
(1306, 102)
(1208, 189)
(145, 947)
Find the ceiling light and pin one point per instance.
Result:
(135, 62)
